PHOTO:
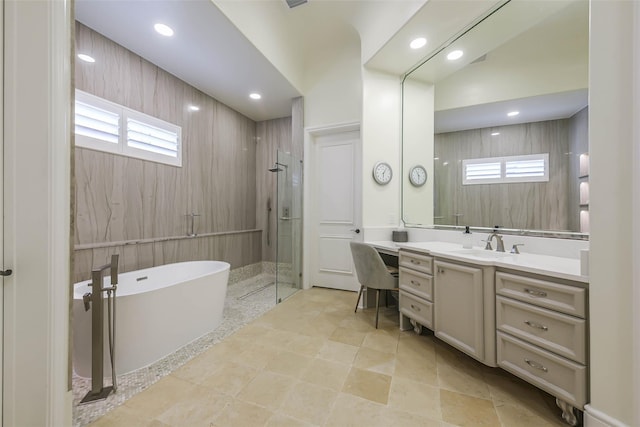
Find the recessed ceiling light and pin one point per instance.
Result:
(163, 30)
(255, 95)
(418, 43)
(86, 58)
(513, 113)
(495, 133)
(193, 108)
(456, 54)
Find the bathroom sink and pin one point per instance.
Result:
(481, 253)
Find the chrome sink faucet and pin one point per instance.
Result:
(499, 241)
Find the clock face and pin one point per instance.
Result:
(418, 176)
(382, 173)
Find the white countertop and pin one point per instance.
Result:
(565, 268)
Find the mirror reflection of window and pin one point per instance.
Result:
(520, 88)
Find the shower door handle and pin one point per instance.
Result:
(6, 273)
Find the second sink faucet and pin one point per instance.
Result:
(500, 243)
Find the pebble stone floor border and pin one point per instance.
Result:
(246, 300)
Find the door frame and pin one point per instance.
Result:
(311, 135)
(37, 212)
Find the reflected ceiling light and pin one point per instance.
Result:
(86, 58)
(193, 108)
(513, 113)
(495, 133)
(456, 54)
(255, 95)
(163, 30)
(418, 43)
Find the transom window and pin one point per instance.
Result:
(495, 170)
(106, 126)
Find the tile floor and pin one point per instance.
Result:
(311, 361)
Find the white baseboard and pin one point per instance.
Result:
(596, 418)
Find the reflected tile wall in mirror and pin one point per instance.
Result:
(532, 206)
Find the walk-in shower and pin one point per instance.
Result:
(288, 208)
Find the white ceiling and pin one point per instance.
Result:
(210, 53)
(206, 51)
(213, 55)
(533, 109)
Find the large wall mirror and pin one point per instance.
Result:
(503, 129)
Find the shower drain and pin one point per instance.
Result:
(255, 291)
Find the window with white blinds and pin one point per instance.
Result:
(495, 170)
(105, 126)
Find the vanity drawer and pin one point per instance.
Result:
(558, 376)
(417, 283)
(422, 263)
(556, 296)
(556, 332)
(417, 309)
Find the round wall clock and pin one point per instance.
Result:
(382, 173)
(418, 176)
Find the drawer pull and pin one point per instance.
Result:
(441, 270)
(535, 293)
(414, 283)
(415, 307)
(536, 325)
(413, 261)
(536, 365)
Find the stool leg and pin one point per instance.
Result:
(358, 301)
(377, 305)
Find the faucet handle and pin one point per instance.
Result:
(488, 246)
(514, 248)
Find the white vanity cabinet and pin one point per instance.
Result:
(416, 290)
(464, 308)
(542, 330)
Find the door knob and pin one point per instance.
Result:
(356, 230)
(6, 273)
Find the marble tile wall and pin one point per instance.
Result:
(536, 206)
(121, 199)
(287, 135)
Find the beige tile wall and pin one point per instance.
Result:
(120, 199)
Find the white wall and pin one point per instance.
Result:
(266, 26)
(417, 146)
(381, 142)
(333, 83)
(611, 120)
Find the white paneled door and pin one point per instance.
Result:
(2, 266)
(36, 208)
(336, 206)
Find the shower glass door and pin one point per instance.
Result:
(289, 226)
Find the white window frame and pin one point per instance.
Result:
(503, 169)
(122, 148)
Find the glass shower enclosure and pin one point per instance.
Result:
(289, 226)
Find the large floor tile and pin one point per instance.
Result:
(416, 398)
(326, 373)
(467, 411)
(242, 414)
(368, 385)
(267, 389)
(309, 402)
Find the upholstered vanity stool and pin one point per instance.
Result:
(372, 272)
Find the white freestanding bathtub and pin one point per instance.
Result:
(158, 310)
